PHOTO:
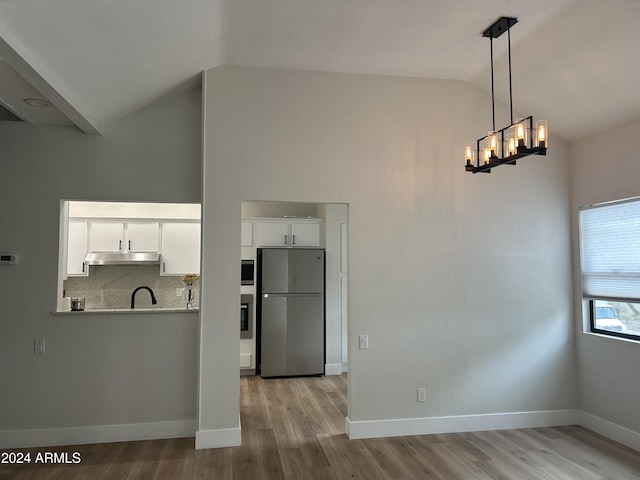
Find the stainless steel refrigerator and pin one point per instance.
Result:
(291, 311)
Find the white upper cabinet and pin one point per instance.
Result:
(289, 233)
(143, 236)
(305, 234)
(273, 234)
(77, 248)
(106, 236)
(124, 236)
(180, 248)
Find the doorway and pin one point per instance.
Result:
(324, 225)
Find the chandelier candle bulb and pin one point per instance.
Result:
(542, 133)
(487, 155)
(511, 144)
(492, 144)
(521, 134)
(468, 155)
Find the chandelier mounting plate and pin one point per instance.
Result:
(499, 27)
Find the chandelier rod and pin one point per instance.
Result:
(493, 100)
(510, 86)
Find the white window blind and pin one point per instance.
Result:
(610, 250)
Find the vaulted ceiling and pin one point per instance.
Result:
(574, 61)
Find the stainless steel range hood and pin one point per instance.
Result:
(139, 258)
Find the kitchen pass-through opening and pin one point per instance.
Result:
(108, 249)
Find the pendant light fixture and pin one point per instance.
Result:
(517, 140)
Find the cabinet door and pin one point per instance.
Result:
(180, 248)
(143, 237)
(77, 249)
(106, 236)
(305, 235)
(274, 234)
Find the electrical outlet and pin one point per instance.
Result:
(38, 345)
(364, 342)
(421, 394)
(179, 292)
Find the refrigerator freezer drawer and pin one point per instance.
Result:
(292, 335)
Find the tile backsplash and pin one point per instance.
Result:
(110, 286)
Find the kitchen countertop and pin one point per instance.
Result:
(102, 311)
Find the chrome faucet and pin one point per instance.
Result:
(133, 296)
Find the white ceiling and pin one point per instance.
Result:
(574, 61)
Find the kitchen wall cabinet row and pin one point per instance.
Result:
(124, 237)
(281, 232)
(177, 242)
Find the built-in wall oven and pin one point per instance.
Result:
(246, 316)
(246, 277)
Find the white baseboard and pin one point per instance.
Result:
(224, 437)
(48, 437)
(232, 437)
(245, 360)
(333, 369)
(611, 430)
(461, 423)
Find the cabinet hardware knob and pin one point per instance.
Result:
(293, 239)
(285, 239)
(119, 244)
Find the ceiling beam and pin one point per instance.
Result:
(44, 81)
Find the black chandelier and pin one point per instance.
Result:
(517, 140)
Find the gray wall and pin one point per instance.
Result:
(97, 370)
(605, 167)
(462, 282)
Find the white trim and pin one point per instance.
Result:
(611, 430)
(459, 423)
(46, 437)
(333, 369)
(224, 437)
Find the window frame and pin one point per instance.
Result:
(591, 297)
(601, 331)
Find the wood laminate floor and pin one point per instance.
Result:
(294, 429)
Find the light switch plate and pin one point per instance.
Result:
(364, 342)
(38, 345)
(421, 394)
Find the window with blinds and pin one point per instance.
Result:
(610, 266)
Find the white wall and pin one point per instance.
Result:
(462, 282)
(98, 371)
(605, 167)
